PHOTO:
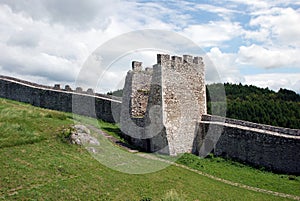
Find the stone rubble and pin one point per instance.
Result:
(81, 135)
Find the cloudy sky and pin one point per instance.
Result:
(253, 42)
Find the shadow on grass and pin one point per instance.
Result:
(121, 139)
(115, 131)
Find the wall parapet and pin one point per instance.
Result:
(57, 87)
(177, 60)
(85, 104)
(281, 130)
(261, 148)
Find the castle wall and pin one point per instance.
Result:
(254, 145)
(66, 101)
(281, 130)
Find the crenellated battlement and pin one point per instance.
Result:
(137, 66)
(167, 61)
(181, 64)
(177, 60)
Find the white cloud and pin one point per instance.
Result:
(22, 38)
(275, 81)
(213, 33)
(53, 39)
(276, 26)
(259, 56)
(37, 48)
(225, 65)
(223, 12)
(73, 13)
(259, 5)
(48, 41)
(260, 35)
(39, 64)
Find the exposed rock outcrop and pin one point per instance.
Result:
(81, 135)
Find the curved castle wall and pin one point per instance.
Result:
(61, 100)
(281, 130)
(271, 147)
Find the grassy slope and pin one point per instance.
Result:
(240, 173)
(36, 164)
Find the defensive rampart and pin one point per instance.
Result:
(271, 147)
(78, 102)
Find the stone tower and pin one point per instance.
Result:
(175, 102)
(134, 102)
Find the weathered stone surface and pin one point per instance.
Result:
(259, 147)
(170, 99)
(90, 91)
(56, 86)
(81, 135)
(79, 90)
(68, 101)
(68, 88)
(134, 100)
(184, 100)
(137, 66)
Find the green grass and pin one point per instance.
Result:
(24, 124)
(36, 164)
(110, 128)
(238, 172)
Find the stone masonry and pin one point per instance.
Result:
(168, 101)
(55, 98)
(274, 148)
(134, 100)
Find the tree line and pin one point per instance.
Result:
(259, 105)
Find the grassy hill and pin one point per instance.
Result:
(37, 164)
